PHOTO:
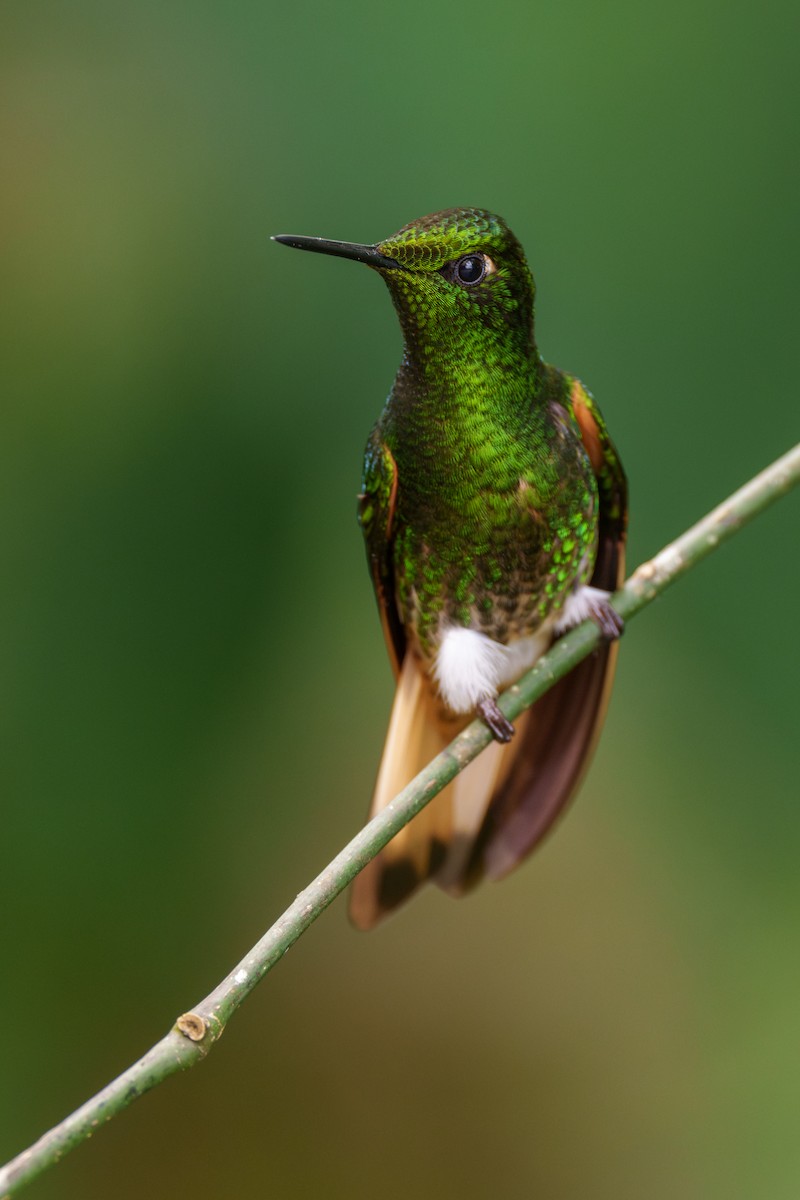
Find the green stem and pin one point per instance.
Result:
(195, 1032)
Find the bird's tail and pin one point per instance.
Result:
(438, 843)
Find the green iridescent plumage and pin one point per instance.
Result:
(492, 495)
(496, 512)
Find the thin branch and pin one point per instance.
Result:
(194, 1033)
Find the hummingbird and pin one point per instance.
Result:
(494, 512)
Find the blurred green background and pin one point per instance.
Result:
(194, 687)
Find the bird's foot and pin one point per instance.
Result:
(501, 728)
(590, 603)
(609, 622)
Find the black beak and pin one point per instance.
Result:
(364, 254)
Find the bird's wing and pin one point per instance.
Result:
(556, 737)
(376, 507)
(417, 731)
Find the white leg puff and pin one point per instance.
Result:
(471, 667)
(468, 668)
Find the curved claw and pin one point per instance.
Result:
(608, 621)
(501, 728)
(591, 603)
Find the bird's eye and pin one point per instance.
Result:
(471, 268)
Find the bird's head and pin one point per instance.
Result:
(458, 279)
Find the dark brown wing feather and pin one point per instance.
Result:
(376, 507)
